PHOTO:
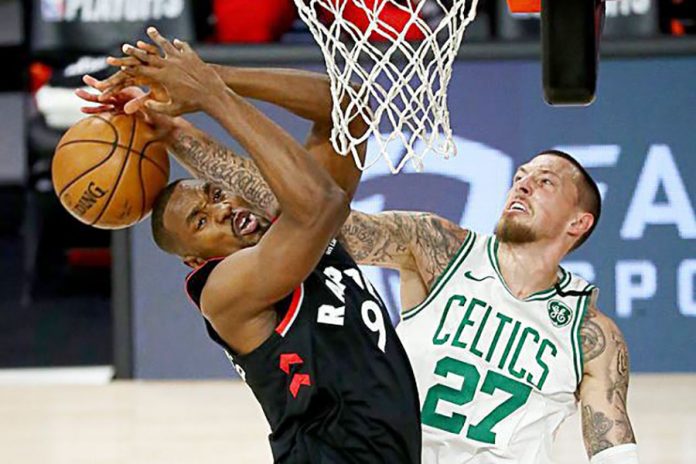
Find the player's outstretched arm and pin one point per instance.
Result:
(408, 241)
(245, 284)
(603, 391)
(304, 93)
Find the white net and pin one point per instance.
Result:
(400, 54)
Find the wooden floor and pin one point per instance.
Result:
(220, 422)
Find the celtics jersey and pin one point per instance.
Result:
(496, 374)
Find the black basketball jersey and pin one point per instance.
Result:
(333, 379)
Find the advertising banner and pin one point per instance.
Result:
(100, 26)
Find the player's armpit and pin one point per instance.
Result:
(434, 244)
(423, 242)
(412, 289)
(604, 387)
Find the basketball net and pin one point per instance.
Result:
(400, 55)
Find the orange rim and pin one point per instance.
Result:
(524, 6)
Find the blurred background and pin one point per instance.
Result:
(77, 296)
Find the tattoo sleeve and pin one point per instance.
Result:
(604, 388)
(406, 240)
(207, 159)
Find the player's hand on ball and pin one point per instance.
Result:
(189, 82)
(132, 98)
(111, 90)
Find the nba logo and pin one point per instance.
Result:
(52, 10)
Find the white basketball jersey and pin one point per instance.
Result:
(496, 375)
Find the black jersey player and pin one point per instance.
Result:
(332, 378)
(303, 327)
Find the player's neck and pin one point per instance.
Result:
(530, 267)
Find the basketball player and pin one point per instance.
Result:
(301, 324)
(503, 341)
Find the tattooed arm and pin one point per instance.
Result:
(604, 385)
(207, 159)
(420, 245)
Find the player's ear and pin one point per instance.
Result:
(193, 261)
(581, 224)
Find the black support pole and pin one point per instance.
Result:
(121, 307)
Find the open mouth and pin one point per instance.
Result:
(244, 222)
(518, 206)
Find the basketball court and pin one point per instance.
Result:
(206, 422)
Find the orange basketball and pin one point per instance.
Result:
(107, 170)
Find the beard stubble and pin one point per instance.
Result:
(508, 230)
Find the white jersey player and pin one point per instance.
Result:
(503, 341)
(497, 374)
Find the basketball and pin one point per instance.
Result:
(108, 169)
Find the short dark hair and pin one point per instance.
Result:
(589, 198)
(163, 237)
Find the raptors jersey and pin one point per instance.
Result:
(496, 374)
(333, 379)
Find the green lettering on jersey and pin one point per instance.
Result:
(473, 348)
(516, 338)
(501, 325)
(466, 321)
(520, 344)
(437, 340)
(511, 340)
(545, 343)
(470, 375)
(483, 431)
(470, 381)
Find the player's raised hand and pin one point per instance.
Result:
(189, 82)
(133, 98)
(143, 53)
(111, 85)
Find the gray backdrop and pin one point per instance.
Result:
(637, 140)
(13, 157)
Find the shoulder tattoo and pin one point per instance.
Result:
(437, 241)
(592, 336)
